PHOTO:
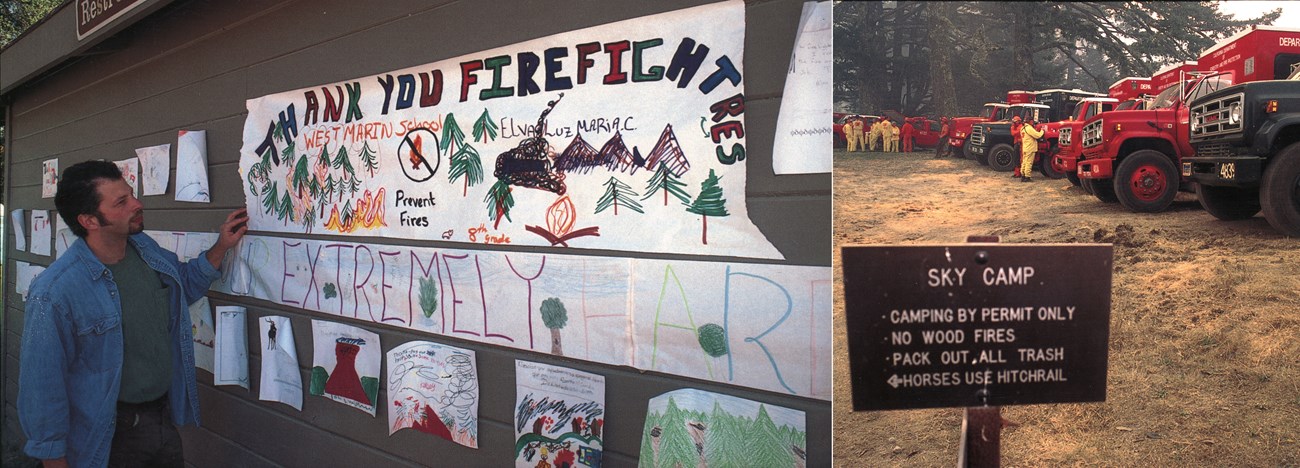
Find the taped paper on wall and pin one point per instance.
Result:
(345, 364)
(192, 166)
(559, 416)
(155, 168)
(231, 347)
(433, 388)
(281, 380)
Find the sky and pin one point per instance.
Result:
(1248, 9)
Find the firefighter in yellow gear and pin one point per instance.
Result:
(860, 135)
(887, 136)
(873, 136)
(1028, 148)
(849, 136)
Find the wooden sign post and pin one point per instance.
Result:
(977, 325)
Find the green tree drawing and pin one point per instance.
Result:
(345, 217)
(331, 291)
(369, 159)
(465, 163)
(647, 459)
(499, 202)
(309, 217)
(663, 179)
(428, 297)
(724, 445)
(301, 176)
(555, 317)
(271, 199)
(287, 153)
(616, 193)
(285, 209)
(713, 339)
(323, 159)
(675, 445)
(709, 203)
(484, 127)
(327, 191)
(764, 445)
(342, 161)
(354, 184)
(452, 136)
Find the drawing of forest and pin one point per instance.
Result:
(688, 428)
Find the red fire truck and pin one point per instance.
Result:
(1130, 88)
(1168, 76)
(1134, 156)
(961, 127)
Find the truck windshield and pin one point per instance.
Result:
(1209, 85)
(989, 111)
(1165, 98)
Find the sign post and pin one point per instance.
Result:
(977, 325)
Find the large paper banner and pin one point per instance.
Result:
(433, 388)
(49, 178)
(691, 427)
(346, 363)
(155, 168)
(18, 220)
(131, 172)
(752, 325)
(559, 413)
(192, 166)
(42, 232)
(803, 128)
(231, 347)
(281, 380)
(581, 139)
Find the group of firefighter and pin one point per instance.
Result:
(882, 133)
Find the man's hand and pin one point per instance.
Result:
(231, 232)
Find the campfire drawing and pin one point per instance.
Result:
(560, 217)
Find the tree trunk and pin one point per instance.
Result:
(556, 349)
(939, 26)
(705, 237)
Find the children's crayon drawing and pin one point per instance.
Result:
(751, 325)
(192, 166)
(63, 236)
(281, 381)
(131, 172)
(18, 224)
(231, 347)
(691, 427)
(345, 364)
(433, 388)
(578, 140)
(155, 168)
(49, 178)
(42, 232)
(203, 330)
(559, 416)
(805, 120)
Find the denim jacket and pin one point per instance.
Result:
(71, 359)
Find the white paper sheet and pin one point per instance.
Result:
(204, 332)
(691, 427)
(559, 416)
(131, 172)
(281, 380)
(42, 232)
(433, 388)
(49, 178)
(18, 224)
(231, 347)
(26, 274)
(192, 166)
(804, 126)
(63, 236)
(345, 364)
(155, 168)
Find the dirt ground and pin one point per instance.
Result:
(1204, 334)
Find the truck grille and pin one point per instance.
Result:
(1211, 118)
(977, 135)
(1092, 134)
(1064, 138)
(1213, 150)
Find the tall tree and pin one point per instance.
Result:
(554, 316)
(663, 179)
(708, 203)
(465, 164)
(485, 128)
(618, 193)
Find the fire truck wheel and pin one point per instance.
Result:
(965, 150)
(1074, 179)
(1146, 181)
(1103, 189)
(1279, 192)
(1229, 203)
(983, 158)
(1002, 158)
(1048, 165)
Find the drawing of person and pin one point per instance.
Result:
(270, 335)
(543, 463)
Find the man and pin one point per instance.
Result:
(1016, 123)
(908, 131)
(942, 148)
(887, 135)
(1028, 148)
(873, 135)
(850, 138)
(107, 365)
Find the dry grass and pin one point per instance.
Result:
(1205, 323)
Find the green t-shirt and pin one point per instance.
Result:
(146, 350)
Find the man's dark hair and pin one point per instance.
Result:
(78, 194)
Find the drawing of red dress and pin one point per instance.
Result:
(344, 381)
